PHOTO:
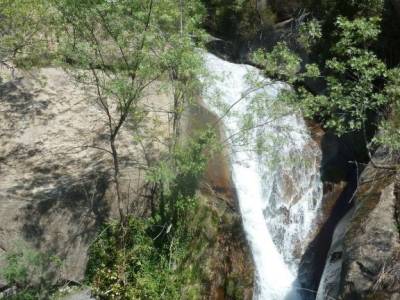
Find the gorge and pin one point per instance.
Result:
(202, 149)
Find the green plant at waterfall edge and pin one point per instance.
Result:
(150, 258)
(357, 84)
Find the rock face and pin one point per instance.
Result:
(55, 190)
(396, 4)
(333, 267)
(225, 258)
(363, 261)
(339, 178)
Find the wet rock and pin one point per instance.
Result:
(225, 258)
(339, 183)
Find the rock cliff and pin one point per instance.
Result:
(55, 188)
(363, 261)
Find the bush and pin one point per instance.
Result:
(32, 272)
(146, 259)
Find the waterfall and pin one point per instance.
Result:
(279, 190)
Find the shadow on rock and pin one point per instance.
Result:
(20, 101)
(66, 217)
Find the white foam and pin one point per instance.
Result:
(260, 187)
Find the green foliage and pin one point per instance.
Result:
(32, 272)
(355, 34)
(389, 128)
(24, 31)
(310, 33)
(131, 268)
(179, 55)
(145, 259)
(354, 76)
(178, 177)
(139, 266)
(122, 48)
(328, 10)
(281, 63)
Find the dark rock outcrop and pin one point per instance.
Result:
(396, 4)
(363, 261)
(339, 177)
(333, 266)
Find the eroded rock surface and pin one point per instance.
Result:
(331, 276)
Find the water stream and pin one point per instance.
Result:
(279, 190)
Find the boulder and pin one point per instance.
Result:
(328, 286)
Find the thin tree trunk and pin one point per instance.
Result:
(116, 179)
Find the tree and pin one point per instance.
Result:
(123, 47)
(23, 30)
(354, 77)
(238, 18)
(357, 85)
(180, 59)
(111, 43)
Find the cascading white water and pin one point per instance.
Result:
(279, 192)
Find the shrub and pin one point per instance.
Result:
(31, 271)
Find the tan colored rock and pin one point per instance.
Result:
(226, 263)
(55, 187)
(55, 193)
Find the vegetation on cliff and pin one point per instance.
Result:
(119, 49)
(150, 257)
(349, 83)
